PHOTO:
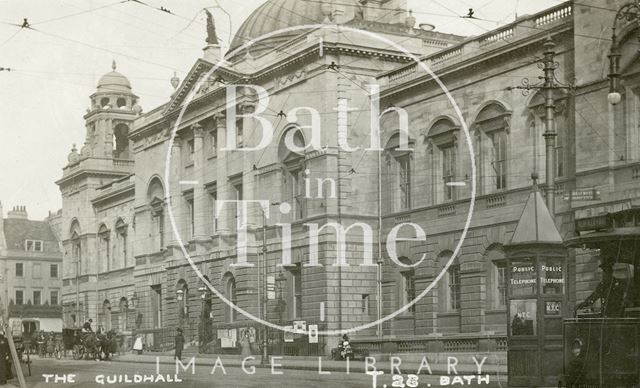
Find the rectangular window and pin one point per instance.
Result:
(53, 271)
(159, 228)
(559, 155)
(236, 184)
(404, 165)
(296, 189)
(297, 292)
(239, 133)
(123, 239)
(19, 297)
(365, 304)
(36, 271)
(501, 283)
(214, 219)
(238, 189)
(36, 297)
(448, 171)
(499, 158)
(213, 143)
(192, 224)
(19, 270)
(408, 290)
(53, 297)
(454, 287)
(192, 149)
(34, 245)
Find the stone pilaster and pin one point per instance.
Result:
(173, 189)
(200, 197)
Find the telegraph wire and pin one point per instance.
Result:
(79, 13)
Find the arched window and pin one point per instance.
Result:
(123, 316)
(104, 248)
(398, 174)
(121, 230)
(230, 294)
(492, 126)
(121, 142)
(407, 285)
(293, 172)
(106, 313)
(443, 136)
(155, 195)
(121, 103)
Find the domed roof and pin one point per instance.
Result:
(114, 82)
(275, 15)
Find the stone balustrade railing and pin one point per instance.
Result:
(521, 28)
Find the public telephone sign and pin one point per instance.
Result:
(523, 278)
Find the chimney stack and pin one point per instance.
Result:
(18, 213)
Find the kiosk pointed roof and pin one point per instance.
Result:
(536, 225)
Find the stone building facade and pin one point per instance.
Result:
(129, 232)
(31, 273)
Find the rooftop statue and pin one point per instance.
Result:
(212, 38)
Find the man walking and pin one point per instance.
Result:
(179, 341)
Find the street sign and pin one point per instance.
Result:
(583, 195)
(299, 326)
(313, 334)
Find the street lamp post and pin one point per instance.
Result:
(280, 282)
(263, 288)
(203, 333)
(548, 85)
(631, 13)
(77, 292)
(265, 343)
(180, 298)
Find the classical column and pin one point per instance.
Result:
(200, 197)
(224, 191)
(254, 216)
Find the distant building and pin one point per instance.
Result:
(30, 272)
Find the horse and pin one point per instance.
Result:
(108, 344)
(91, 343)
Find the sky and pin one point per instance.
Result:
(56, 66)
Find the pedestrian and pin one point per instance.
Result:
(179, 341)
(137, 345)
(5, 360)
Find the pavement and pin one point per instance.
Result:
(439, 364)
(92, 374)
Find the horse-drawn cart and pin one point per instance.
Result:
(89, 346)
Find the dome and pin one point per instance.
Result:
(275, 15)
(114, 82)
